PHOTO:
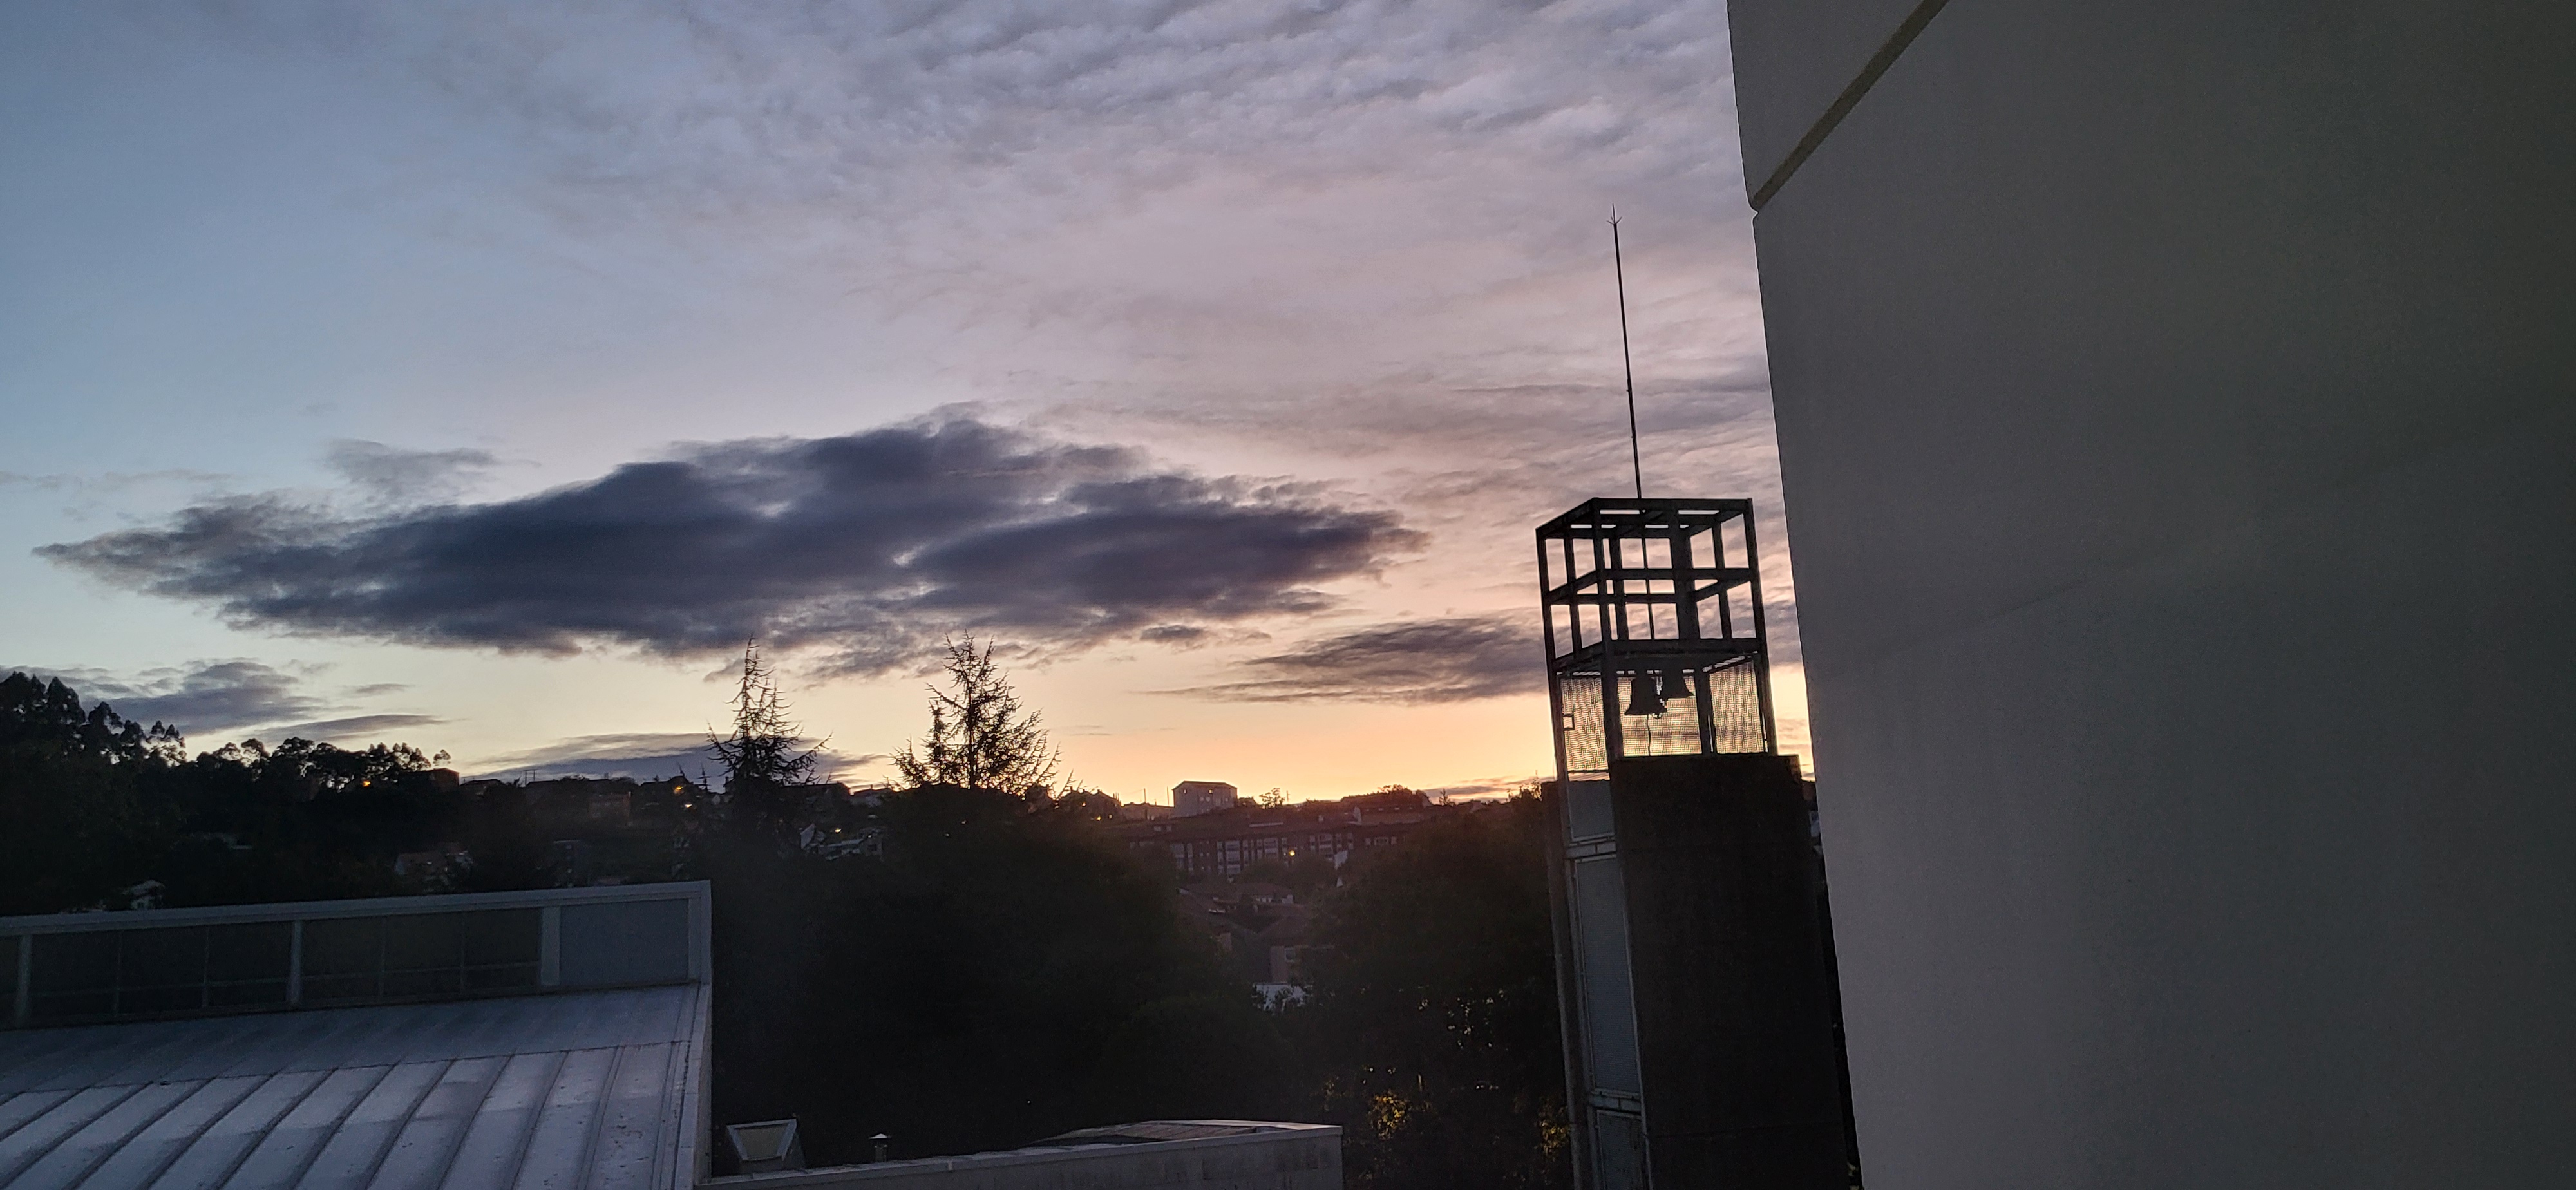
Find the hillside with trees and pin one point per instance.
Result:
(105, 813)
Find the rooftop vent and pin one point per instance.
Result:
(767, 1146)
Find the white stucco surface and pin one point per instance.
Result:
(1792, 61)
(2177, 408)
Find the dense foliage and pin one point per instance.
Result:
(102, 813)
(1006, 972)
(1001, 974)
(79, 795)
(1431, 1031)
(989, 969)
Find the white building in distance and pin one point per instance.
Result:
(1200, 797)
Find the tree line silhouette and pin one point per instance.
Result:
(998, 968)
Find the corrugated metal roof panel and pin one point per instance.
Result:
(18, 1109)
(297, 1138)
(38, 1136)
(348, 1161)
(67, 1163)
(489, 1159)
(624, 1156)
(578, 1091)
(149, 1152)
(203, 1162)
(421, 1152)
(561, 1137)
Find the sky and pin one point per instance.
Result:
(481, 375)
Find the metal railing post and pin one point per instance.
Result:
(19, 1004)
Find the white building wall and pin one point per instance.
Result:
(1192, 798)
(2177, 409)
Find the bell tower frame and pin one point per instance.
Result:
(1655, 637)
(1693, 945)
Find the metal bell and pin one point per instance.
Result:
(1642, 698)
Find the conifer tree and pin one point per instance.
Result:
(980, 736)
(766, 751)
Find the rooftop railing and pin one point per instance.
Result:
(84, 968)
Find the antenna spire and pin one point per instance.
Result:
(1619, 269)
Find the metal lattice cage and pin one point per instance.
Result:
(1655, 638)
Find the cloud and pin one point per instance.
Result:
(641, 755)
(110, 481)
(395, 476)
(1422, 661)
(646, 755)
(207, 697)
(1101, 188)
(1483, 787)
(365, 729)
(870, 545)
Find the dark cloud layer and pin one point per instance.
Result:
(870, 545)
(360, 729)
(208, 696)
(215, 697)
(643, 755)
(1424, 661)
(646, 755)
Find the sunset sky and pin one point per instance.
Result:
(480, 375)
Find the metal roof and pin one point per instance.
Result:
(589, 1090)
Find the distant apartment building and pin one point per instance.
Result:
(1224, 844)
(1190, 798)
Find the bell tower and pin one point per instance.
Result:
(1655, 644)
(1694, 964)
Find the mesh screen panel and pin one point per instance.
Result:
(132, 966)
(419, 955)
(1618, 1151)
(153, 972)
(1604, 981)
(1586, 751)
(1735, 708)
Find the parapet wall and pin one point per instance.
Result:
(1279, 1157)
(88, 968)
